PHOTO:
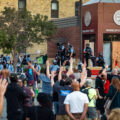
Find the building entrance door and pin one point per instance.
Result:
(107, 53)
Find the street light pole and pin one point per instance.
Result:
(81, 30)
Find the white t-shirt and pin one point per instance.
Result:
(76, 100)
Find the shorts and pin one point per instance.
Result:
(100, 105)
(92, 112)
(77, 115)
(63, 117)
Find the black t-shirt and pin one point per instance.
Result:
(62, 91)
(40, 113)
(15, 97)
(99, 84)
(55, 94)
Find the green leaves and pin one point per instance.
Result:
(19, 29)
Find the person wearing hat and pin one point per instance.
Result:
(54, 67)
(70, 50)
(88, 53)
(100, 60)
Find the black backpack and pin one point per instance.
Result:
(86, 91)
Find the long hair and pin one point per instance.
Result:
(116, 83)
(44, 101)
(115, 114)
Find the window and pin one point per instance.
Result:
(54, 9)
(21, 4)
(77, 4)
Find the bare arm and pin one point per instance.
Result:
(60, 74)
(33, 93)
(70, 71)
(3, 86)
(105, 70)
(52, 80)
(84, 112)
(27, 118)
(83, 75)
(48, 69)
(67, 108)
(33, 68)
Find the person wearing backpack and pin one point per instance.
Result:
(92, 96)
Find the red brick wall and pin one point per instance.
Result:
(102, 19)
(72, 36)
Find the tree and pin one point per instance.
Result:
(20, 29)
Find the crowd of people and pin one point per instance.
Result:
(63, 96)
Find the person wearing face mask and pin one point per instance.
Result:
(100, 60)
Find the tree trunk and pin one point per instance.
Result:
(14, 61)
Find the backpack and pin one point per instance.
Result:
(86, 91)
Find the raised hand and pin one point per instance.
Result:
(107, 66)
(61, 69)
(71, 60)
(30, 65)
(47, 63)
(83, 75)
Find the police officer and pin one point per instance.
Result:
(100, 60)
(60, 56)
(87, 53)
(70, 51)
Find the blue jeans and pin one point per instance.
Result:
(56, 108)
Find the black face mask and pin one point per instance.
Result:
(87, 47)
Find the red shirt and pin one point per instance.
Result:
(106, 86)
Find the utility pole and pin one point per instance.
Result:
(81, 30)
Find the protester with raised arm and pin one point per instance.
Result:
(3, 86)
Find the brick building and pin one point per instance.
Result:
(54, 9)
(68, 31)
(101, 28)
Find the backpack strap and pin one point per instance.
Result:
(89, 97)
